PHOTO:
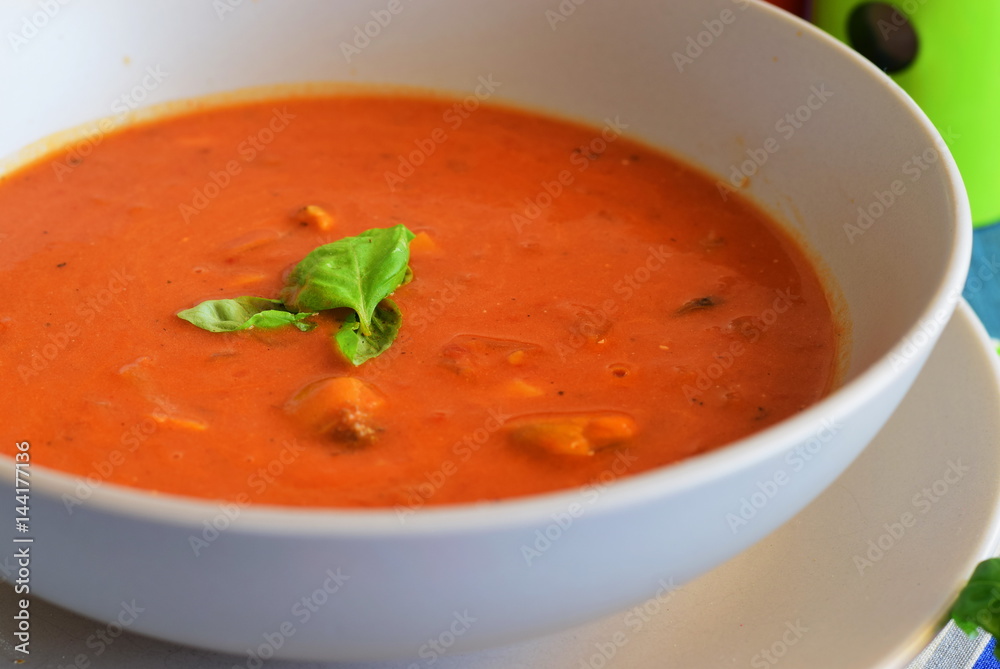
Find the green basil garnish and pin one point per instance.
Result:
(357, 273)
(978, 604)
(359, 347)
(243, 313)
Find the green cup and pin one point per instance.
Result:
(946, 54)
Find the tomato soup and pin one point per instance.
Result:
(582, 307)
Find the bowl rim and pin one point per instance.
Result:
(665, 481)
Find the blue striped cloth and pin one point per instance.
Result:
(980, 290)
(987, 659)
(952, 649)
(984, 296)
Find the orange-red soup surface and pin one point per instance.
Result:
(583, 307)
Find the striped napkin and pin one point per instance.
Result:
(952, 649)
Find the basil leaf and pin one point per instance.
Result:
(275, 319)
(979, 601)
(357, 272)
(243, 313)
(358, 347)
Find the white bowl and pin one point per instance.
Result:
(710, 80)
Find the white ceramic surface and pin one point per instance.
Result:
(407, 582)
(805, 573)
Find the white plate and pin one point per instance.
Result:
(805, 593)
